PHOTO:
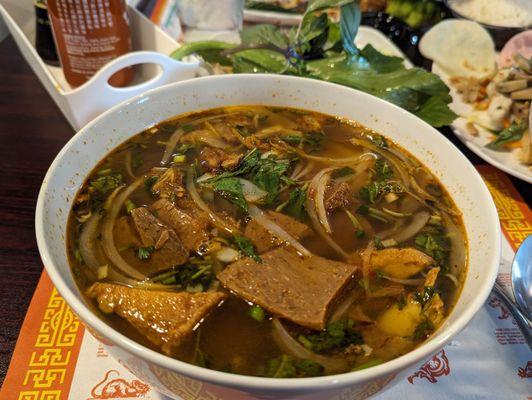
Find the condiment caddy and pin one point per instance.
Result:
(83, 103)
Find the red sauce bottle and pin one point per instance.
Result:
(88, 34)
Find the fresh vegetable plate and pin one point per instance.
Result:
(504, 160)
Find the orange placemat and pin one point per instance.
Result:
(49, 349)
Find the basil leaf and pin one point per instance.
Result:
(380, 62)
(315, 5)
(231, 190)
(200, 47)
(350, 17)
(264, 34)
(268, 177)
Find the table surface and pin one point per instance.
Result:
(33, 130)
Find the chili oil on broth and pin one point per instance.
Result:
(382, 194)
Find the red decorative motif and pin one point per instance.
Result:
(525, 372)
(496, 303)
(437, 366)
(114, 387)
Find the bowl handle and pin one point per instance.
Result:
(97, 95)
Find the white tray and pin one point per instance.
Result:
(150, 48)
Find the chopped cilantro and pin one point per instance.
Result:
(423, 330)
(337, 335)
(341, 172)
(379, 141)
(247, 248)
(287, 366)
(106, 183)
(373, 191)
(144, 253)
(296, 203)
(424, 296)
(436, 245)
(149, 182)
(383, 170)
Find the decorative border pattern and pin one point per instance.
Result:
(47, 350)
(514, 214)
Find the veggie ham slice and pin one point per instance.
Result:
(164, 318)
(264, 240)
(168, 247)
(301, 290)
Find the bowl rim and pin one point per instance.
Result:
(421, 353)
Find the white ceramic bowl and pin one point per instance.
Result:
(176, 378)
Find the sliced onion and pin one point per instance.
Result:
(194, 195)
(319, 228)
(170, 145)
(297, 170)
(342, 308)
(291, 346)
(318, 184)
(453, 279)
(309, 167)
(87, 240)
(129, 169)
(108, 240)
(419, 220)
(388, 157)
(457, 256)
(252, 193)
(261, 218)
(408, 282)
(206, 137)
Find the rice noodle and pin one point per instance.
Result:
(257, 214)
(291, 346)
(108, 240)
(408, 282)
(419, 220)
(216, 220)
(170, 145)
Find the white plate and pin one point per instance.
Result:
(271, 17)
(506, 161)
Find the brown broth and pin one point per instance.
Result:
(229, 339)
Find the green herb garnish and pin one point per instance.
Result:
(144, 253)
(322, 49)
(247, 248)
(231, 190)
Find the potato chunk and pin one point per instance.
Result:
(401, 322)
